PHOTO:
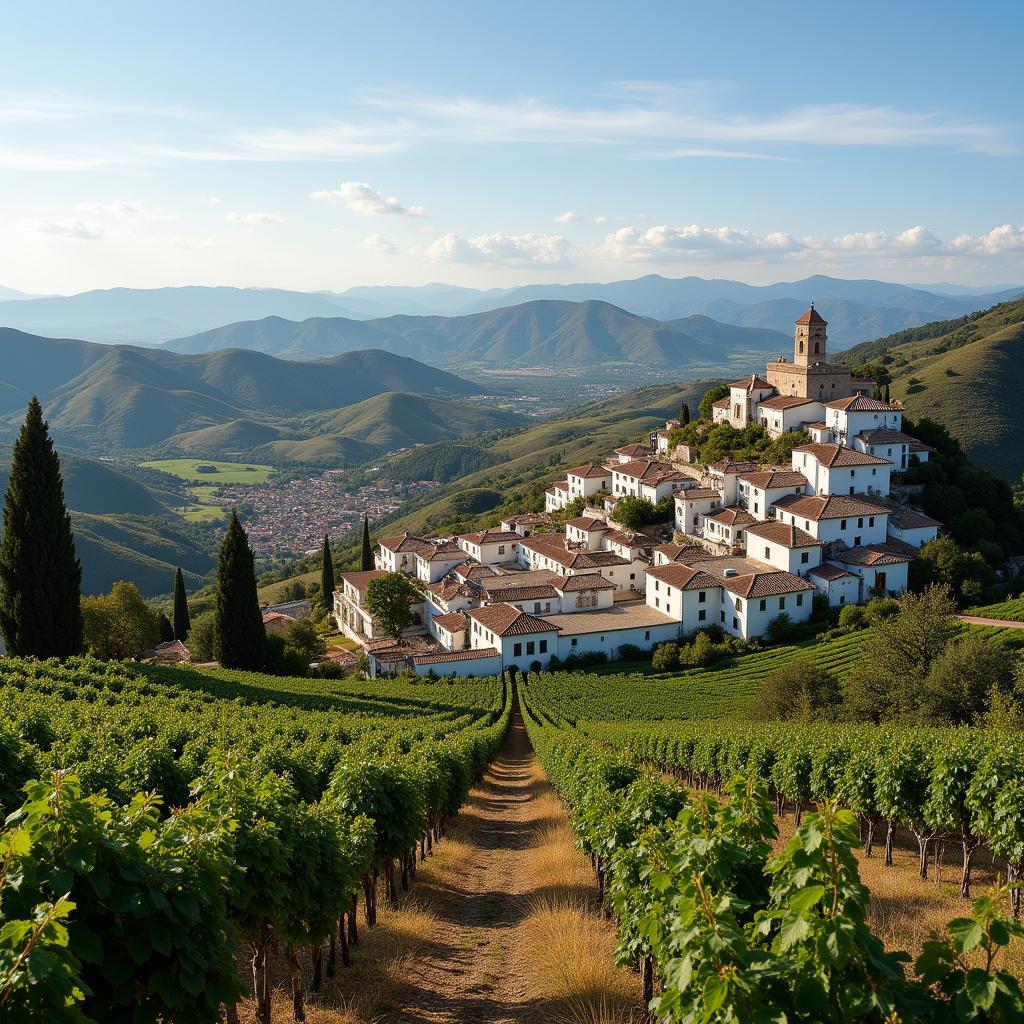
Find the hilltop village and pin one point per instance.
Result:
(750, 542)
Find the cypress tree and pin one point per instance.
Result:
(240, 639)
(886, 392)
(684, 414)
(367, 563)
(182, 620)
(40, 577)
(327, 576)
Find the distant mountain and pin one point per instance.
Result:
(421, 300)
(154, 314)
(969, 375)
(542, 332)
(123, 398)
(12, 293)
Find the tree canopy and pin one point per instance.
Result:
(240, 639)
(388, 600)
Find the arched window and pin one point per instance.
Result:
(817, 348)
(801, 347)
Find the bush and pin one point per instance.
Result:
(852, 616)
(631, 652)
(666, 657)
(797, 691)
(201, 636)
(878, 609)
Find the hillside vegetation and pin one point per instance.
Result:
(967, 374)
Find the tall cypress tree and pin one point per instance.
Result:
(240, 639)
(327, 576)
(684, 414)
(182, 619)
(367, 564)
(40, 577)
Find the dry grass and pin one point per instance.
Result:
(569, 950)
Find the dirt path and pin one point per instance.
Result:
(471, 973)
(978, 620)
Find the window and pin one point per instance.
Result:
(782, 602)
(543, 647)
(739, 535)
(860, 523)
(536, 606)
(856, 542)
(517, 650)
(762, 606)
(573, 642)
(799, 600)
(702, 597)
(739, 604)
(767, 552)
(632, 575)
(501, 549)
(735, 623)
(842, 524)
(702, 615)
(757, 507)
(722, 614)
(852, 472)
(657, 602)
(805, 557)
(874, 470)
(531, 647)
(547, 606)
(871, 520)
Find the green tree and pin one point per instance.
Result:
(966, 573)
(327, 583)
(182, 622)
(959, 687)
(120, 624)
(240, 639)
(202, 636)
(389, 599)
(634, 513)
(166, 628)
(710, 397)
(40, 576)
(367, 552)
(799, 691)
(684, 414)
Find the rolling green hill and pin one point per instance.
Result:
(541, 332)
(967, 374)
(119, 398)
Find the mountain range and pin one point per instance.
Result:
(859, 309)
(545, 332)
(121, 398)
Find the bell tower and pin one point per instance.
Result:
(810, 340)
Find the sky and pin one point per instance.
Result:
(326, 145)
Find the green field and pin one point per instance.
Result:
(206, 508)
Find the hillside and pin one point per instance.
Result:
(124, 398)
(543, 332)
(968, 374)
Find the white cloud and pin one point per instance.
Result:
(694, 243)
(71, 229)
(378, 243)
(601, 220)
(567, 218)
(130, 211)
(213, 200)
(531, 250)
(360, 197)
(255, 217)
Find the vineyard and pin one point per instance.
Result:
(173, 817)
(679, 818)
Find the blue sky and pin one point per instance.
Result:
(315, 145)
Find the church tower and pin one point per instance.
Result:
(810, 341)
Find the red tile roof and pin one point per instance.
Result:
(722, 403)
(733, 516)
(491, 537)
(697, 494)
(649, 472)
(766, 584)
(812, 316)
(496, 592)
(753, 383)
(588, 471)
(835, 455)
(444, 657)
(452, 623)
(360, 579)
(784, 402)
(582, 581)
(635, 450)
(861, 403)
(828, 571)
(872, 554)
(683, 577)
(832, 506)
(588, 523)
(404, 542)
(684, 553)
(730, 465)
(507, 620)
(776, 478)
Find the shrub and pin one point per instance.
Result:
(631, 652)
(799, 690)
(666, 657)
(852, 616)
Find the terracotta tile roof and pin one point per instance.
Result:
(733, 516)
(697, 494)
(812, 316)
(588, 523)
(452, 623)
(904, 517)
(360, 579)
(474, 571)
(722, 403)
(404, 542)
(269, 617)
(776, 478)
(872, 554)
(730, 465)
(507, 620)
(444, 657)
(491, 537)
(555, 549)
(683, 577)
(635, 450)
(829, 571)
(649, 472)
(527, 519)
(784, 402)
(561, 485)
(817, 425)
(766, 584)
(443, 551)
(581, 581)
(449, 588)
(861, 403)
(497, 593)
(684, 553)
(588, 471)
(783, 533)
(919, 446)
(633, 540)
(832, 506)
(752, 383)
(835, 455)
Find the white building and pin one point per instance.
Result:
(436, 559)
(491, 547)
(757, 492)
(727, 526)
(556, 496)
(692, 505)
(833, 469)
(586, 481)
(784, 546)
(835, 518)
(687, 593)
(751, 602)
(647, 479)
(895, 446)
(724, 474)
(349, 608)
(848, 417)
(398, 553)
